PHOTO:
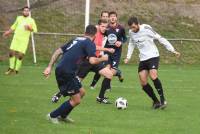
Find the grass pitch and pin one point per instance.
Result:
(25, 101)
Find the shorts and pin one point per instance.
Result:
(19, 44)
(86, 67)
(68, 84)
(149, 64)
(114, 60)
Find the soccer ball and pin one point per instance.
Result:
(121, 103)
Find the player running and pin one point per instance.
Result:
(116, 37)
(142, 36)
(69, 85)
(86, 67)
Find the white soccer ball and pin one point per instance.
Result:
(121, 103)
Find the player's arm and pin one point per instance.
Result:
(94, 60)
(7, 33)
(54, 58)
(162, 41)
(12, 28)
(131, 47)
(110, 50)
(123, 38)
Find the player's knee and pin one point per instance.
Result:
(75, 102)
(154, 76)
(20, 57)
(11, 54)
(143, 82)
(82, 93)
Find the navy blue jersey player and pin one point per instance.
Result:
(72, 54)
(116, 37)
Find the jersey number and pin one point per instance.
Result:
(72, 44)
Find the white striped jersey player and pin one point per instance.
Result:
(144, 41)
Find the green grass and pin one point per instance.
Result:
(25, 101)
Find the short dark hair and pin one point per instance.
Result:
(90, 30)
(102, 21)
(25, 7)
(102, 12)
(112, 12)
(133, 20)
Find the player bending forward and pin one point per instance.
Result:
(68, 83)
(143, 36)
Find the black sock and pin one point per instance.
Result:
(149, 91)
(58, 94)
(95, 79)
(159, 88)
(118, 73)
(62, 111)
(104, 86)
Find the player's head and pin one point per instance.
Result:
(104, 15)
(113, 17)
(91, 31)
(133, 24)
(102, 25)
(26, 11)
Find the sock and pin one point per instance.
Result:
(12, 62)
(159, 88)
(149, 91)
(95, 79)
(58, 94)
(18, 64)
(63, 110)
(105, 85)
(118, 73)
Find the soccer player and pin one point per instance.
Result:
(72, 53)
(99, 41)
(22, 28)
(116, 37)
(142, 36)
(85, 67)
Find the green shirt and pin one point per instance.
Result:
(19, 27)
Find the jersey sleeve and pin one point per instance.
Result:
(65, 46)
(161, 39)
(13, 27)
(131, 47)
(124, 38)
(34, 26)
(90, 49)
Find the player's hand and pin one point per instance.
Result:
(126, 61)
(28, 27)
(177, 54)
(111, 50)
(104, 57)
(118, 44)
(47, 72)
(6, 34)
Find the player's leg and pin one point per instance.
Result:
(158, 85)
(19, 59)
(114, 65)
(143, 76)
(69, 85)
(12, 61)
(82, 72)
(107, 73)
(95, 80)
(153, 73)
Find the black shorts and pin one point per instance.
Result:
(86, 67)
(68, 84)
(149, 64)
(114, 60)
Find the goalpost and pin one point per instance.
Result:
(87, 19)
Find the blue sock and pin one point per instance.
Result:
(62, 111)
